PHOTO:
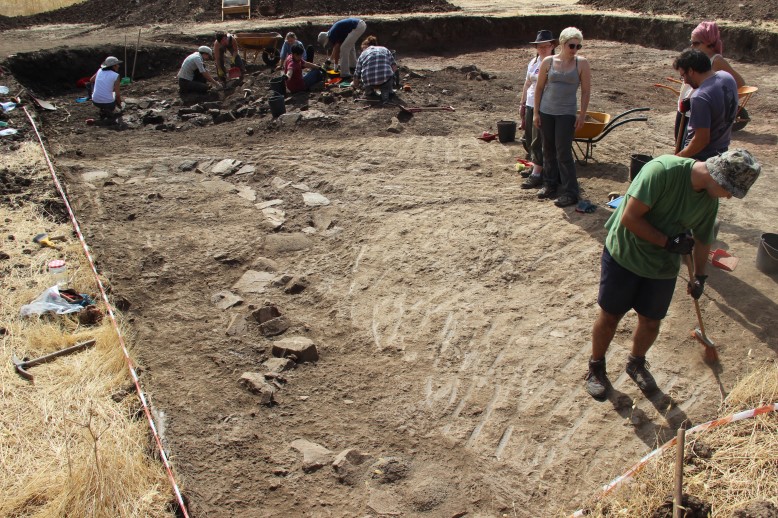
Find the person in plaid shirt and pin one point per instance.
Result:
(375, 68)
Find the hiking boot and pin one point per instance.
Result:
(533, 182)
(547, 193)
(637, 368)
(596, 379)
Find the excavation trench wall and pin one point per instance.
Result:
(57, 70)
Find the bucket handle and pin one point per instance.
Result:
(767, 249)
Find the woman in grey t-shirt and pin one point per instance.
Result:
(557, 116)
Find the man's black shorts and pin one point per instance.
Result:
(622, 290)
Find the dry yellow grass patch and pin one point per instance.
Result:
(72, 444)
(727, 467)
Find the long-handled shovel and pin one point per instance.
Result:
(711, 354)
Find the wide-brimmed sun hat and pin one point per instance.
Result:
(544, 36)
(736, 171)
(110, 61)
(323, 39)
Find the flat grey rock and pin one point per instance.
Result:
(314, 199)
(254, 282)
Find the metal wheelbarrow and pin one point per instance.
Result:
(596, 130)
(267, 43)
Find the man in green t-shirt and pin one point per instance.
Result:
(647, 235)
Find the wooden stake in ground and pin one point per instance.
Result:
(135, 60)
(125, 55)
(678, 509)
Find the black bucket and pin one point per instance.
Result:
(767, 254)
(506, 131)
(278, 85)
(277, 105)
(636, 163)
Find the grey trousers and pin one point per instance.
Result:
(558, 162)
(533, 140)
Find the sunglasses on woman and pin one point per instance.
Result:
(574, 46)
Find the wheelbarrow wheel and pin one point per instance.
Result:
(743, 118)
(271, 57)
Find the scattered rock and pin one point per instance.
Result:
(253, 282)
(246, 169)
(315, 455)
(221, 117)
(348, 466)
(237, 326)
(217, 186)
(187, 165)
(249, 131)
(264, 264)
(314, 199)
(265, 313)
(274, 326)
(226, 257)
(152, 117)
(225, 300)
(268, 204)
(279, 364)
(322, 219)
(394, 127)
(93, 176)
(278, 183)
(275, 218)
(389, 469)
(280, 243)
(428, 495)
(303, 349)
(247, 193)
(289, 118)
(256, 383)
(301, 187)
(295, 285)
(226, 167)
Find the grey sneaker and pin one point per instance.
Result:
(637, 368)
(533, 182)
(596, 379)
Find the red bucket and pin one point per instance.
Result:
(234, 73)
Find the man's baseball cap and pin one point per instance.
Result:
(109, 62)
(205, 50)
(735, 170)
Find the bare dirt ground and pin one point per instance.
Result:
(451, 309)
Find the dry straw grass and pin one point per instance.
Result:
(67, 447)
(727, 467)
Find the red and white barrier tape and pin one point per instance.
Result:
(109, 309)
(631, 472)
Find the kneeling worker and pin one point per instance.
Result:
(646, 237)
(105, 87)
(293, 70)
(375, 68)
(193, 77)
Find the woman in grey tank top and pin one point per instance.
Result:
(558, 117)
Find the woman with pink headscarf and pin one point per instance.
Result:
(707, 39)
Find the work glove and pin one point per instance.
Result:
(680, 244)
(696, 286)
(684, 105)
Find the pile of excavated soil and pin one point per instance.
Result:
(695, 9)
(133, 12)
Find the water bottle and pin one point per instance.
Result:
(59, 273)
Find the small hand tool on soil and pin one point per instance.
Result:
(21, 366)
(711, 354)
(43, 240)
(416, 109)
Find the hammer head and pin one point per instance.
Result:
(19, 366)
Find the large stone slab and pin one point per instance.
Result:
(303, 349)
(254, 282)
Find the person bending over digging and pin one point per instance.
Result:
(224, 43)
(375, 69)
(193, 77)
(713, 105)
(646, 237)
(104, 87)
(342, 37)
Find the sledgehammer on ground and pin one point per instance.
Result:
(21, 366)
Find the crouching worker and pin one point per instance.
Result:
(647, 235)
(224, 43)
(293, 70)
(375, 69)
(193, 77)
(105, 88)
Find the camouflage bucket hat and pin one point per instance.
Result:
(735, 170)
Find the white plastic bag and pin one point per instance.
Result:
(49, 300)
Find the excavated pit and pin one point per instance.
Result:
(56, 71)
